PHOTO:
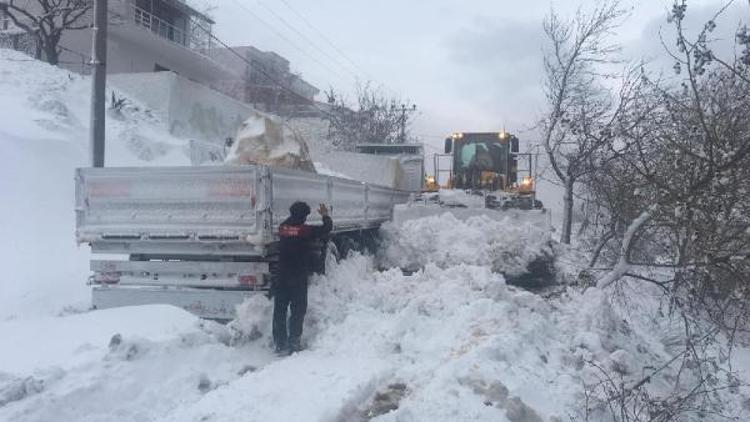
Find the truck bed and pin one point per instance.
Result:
(203, 238)
(222, 210)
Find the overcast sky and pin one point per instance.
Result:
(469, 65)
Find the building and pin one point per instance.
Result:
(169, 35)
(263, 79)
(144, 36)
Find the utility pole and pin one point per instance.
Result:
(98, 83)
(404, 109)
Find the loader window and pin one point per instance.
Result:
(468, 151)
(490, 156)
(478, 155)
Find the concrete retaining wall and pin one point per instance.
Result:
(191, 110)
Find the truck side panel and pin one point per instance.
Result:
(203, 237)
(165, 203)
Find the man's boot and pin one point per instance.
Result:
(282, 349)
(295, 345)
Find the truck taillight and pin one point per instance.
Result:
(107, 278)
(247, 280)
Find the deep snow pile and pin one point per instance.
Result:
(463, 344)
(43, 138)
(444, 343)
(126, 364)
(504, 241)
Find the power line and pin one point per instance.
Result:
(283, 37)
(304, 37)
(326, 39)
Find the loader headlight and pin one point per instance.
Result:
(527, 181)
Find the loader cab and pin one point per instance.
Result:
(483, 161)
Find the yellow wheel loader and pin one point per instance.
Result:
(487, 164)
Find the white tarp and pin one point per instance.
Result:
(263, 139)
(267, 140)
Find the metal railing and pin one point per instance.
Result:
(5, 22)
(160, 27)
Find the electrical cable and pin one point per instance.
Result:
(326, 39)
(285, 38)
(304, 37)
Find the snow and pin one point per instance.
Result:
(43, 138)
(80, 371)
(265, 139)
(462, 344)
(321, 168)
(375, 169)
(504, 243)
(622, 266)
(76, 337)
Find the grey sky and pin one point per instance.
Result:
(469, 65)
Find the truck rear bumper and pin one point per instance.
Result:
(205, 303)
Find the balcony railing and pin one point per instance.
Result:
(5, 22)
(160, 27)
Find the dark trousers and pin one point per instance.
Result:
(290, 294)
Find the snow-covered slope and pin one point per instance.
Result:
(43, 137)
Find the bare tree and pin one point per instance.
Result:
(680, 197)
(690, 160)
(373, 119)
(579, 125)
(46, 20)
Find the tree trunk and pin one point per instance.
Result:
(47, 44)
(51, 55)
(567, 223)
(38, 49)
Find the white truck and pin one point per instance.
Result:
(204, 238)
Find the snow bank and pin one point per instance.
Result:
(43, 137)
(464, 344)
(76, 338)
(503, 242)
(127, 364)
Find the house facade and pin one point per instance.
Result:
(168, 35)
(263, 79)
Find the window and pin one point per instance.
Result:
(4, 21)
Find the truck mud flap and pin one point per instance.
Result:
(205, 303)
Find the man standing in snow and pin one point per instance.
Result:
(295, 262)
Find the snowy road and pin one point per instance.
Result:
(367, 330)
(450, 342)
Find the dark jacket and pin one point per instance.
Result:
(295, 247)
